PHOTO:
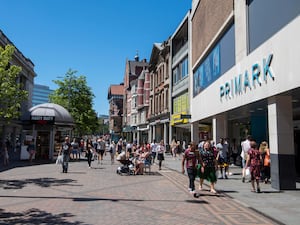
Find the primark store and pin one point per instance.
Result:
(245, 60)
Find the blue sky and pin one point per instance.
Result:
(93, 37)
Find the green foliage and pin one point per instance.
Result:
(74, 94)
(12, 93)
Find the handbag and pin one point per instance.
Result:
(59, 159)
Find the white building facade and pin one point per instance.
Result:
(245, 77)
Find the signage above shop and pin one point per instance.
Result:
(240, 84)
(42, 119)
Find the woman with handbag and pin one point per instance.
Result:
(207, 170)
(254, 161)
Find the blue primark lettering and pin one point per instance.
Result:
(222, 92)
(240, 83)
(267, 68)
(246, 81)
(255, 74)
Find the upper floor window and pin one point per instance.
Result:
(180, 71)
(267, 17)
(220, 59)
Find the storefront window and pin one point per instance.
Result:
(220, 59)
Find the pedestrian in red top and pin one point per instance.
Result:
(190, 158)
(253, 161)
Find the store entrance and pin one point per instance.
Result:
(42, 145)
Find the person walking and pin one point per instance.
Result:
(190, 158)
(207, 170)
(174, 148)
(160, 150)
(253, 161)
(222, 148)
(66, 148)
(100, 149)
(112, 152)
(153, 146)
(89, 152)
(244, 155)
(75, 149)
(31, 150)
(266, 161)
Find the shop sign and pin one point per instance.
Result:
(42, 119)
(179, 119)
(240, 84)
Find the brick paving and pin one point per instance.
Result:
(41, 194)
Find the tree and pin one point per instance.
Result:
(12, 93)
(74, 94)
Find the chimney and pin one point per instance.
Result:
(136, 57)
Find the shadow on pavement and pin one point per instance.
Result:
(90, 199)
(35, 216)
(42, 182)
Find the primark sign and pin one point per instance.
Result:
(255, 76)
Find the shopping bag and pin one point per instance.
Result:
(59, 160)
(247, 171)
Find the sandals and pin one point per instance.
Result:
(213, 191)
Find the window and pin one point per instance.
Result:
(220, 59)
(184, 68)
(267, 17)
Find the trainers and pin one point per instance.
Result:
(243, 179)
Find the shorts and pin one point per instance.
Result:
(100, 151)
(75, 151)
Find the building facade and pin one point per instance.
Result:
(180, 128)
(133, 69)
(40, 94)
(13, 131)
(115, 98)
(245, 77)
(159, 110)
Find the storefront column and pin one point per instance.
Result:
(150, 136)
(219, 127)
(240, 23)
(138, 137)
(195, 132)
(281, 138)
(154, 132)
(165, 133)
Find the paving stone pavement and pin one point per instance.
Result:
(41, 194)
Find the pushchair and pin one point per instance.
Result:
(127, 167)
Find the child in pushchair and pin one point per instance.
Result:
(127, 165)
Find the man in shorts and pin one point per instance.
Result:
(100, 149)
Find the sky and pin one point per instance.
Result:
(92, 37)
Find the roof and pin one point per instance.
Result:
(115, 90)
(62, 116)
